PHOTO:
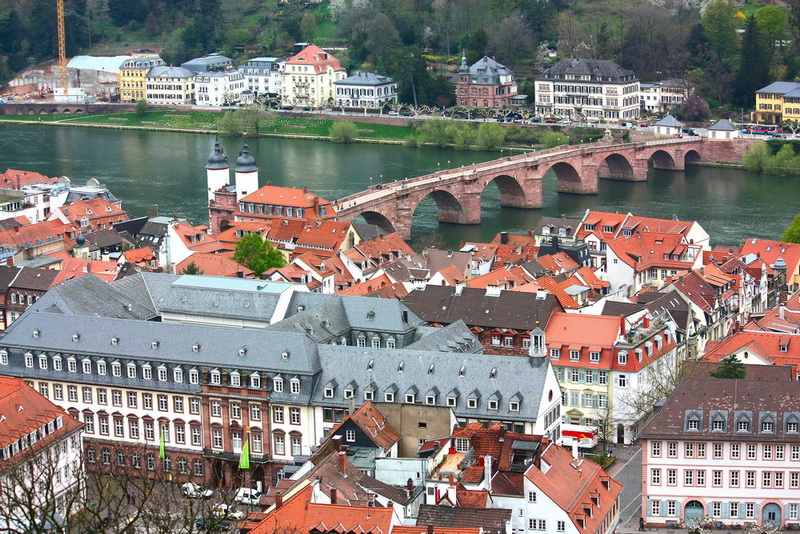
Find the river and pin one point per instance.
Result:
(157, 172)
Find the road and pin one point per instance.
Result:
(630, 476)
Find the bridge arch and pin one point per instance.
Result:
(512, 193)
(662, 160)
(616, 167)
(692, 156)
(378, 219)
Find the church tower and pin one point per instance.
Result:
(217, 171)
(246, 174)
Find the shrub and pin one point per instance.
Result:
(343, 132)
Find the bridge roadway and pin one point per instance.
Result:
(457, 192)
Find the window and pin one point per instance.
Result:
(574, 355)
(58, 392)
(734, 509)
(743, 426)
(750, 477)
(672, 477)
(622, 381)
(89, 420)
(103, 424)
(297, 446)
(72, 365)
(133, 428)
(29, 360)
(215, 378)
(531, 496)
(294, 386)
(216, 408)
(350, 435)
(163, 404)
(718, 451)
(778, 479)
(779, 452)
(716, 509)
(716, 478)
(751, 451)
(555, 354)
(766, 479)
(513, 406)
(147, 372)
(236, 410)
(767, 426)
(280, 445)
(767, 452)
(194, 406)
(196, 435)
(655, 507)
(672, 450)
(688, 478)
(177, 403)
(655, 448)
(177, 375)
(602, 378)
(216, 439)
(794, 479)
(735, 448)
(72, 393)
(116, 369)
(56, 361)
(255, 412)
(718, 425)
(749, 510)
(294, 416)
(693, 424)
(594, 357)
(277, 384)
(130, 367)
(119, 427)
(622, 358)
(277, 414)
(734, 476)
(701, 450)
(655, 477)
(194, 376)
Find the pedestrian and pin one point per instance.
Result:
(641, 524)
(133, 499)
(128, 497)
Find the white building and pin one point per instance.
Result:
(170, 85)
(723, 129)
(263, 75)
(309, 77)
(725, 451)
(366, 90)
(219, 88)
(45, 442)
(590, 89)
(660, 97)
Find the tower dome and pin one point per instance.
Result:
(245, 162)
(80, 240)
(217, 160)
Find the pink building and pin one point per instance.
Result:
(486, 84)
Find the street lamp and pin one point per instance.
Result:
(448, 164)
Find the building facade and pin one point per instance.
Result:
(133, 76)
(660, 97)
(721, 454)
(485, 84)
(587, 89)
(309, 76)
(263, 75)
(170, 85)
(365, 90)
(219, 88)
(777, 102)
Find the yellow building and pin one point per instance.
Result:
(308, 78)
(133, 76)
(777, 102)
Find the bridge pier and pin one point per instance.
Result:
(570, 181)
(468, 213)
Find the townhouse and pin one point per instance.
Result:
(309, 76)
(722, 454)
(770, 252)
(93, 214)
(221, 88)
(777, 102)
(133, 76)
(170, 86)
(40, 458)
(756, 347)
(486, 83)
(592, 89)
(263, 75)
(30, 241)
(603, 364)
(365, 90)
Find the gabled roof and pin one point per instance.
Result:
(34, 279)
(213, 265)
(491, 520)
(502, 278)
(510, 309)
(372, 423)
(774, 347)
(779, 88)
(286, 196)
(558, 263)
(314, 56)
(572, 484)
(723, 125)
(570, 329)
(669, 121)
(94, 208)
(14, 179)
(553, 287)
(38, 234)
(23, 410)
(769, 252)
(644, 250)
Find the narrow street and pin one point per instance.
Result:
(628, 471)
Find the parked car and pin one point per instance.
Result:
(550, 121)
(194, 491)
(689, 131)
(566, 121)
(247, 496)
(536, 119)
(406, 113)
(393, 113)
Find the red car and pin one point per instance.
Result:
(551, 121)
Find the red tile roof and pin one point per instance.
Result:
(648, 249)
(558, 263)
(213, 265)
(14, 179)
(382, 286)
(585, 333)
(75, 267)
(502, 278)
(564, 298)
(95, 210)
(317, 58)
(770, 251)
(575, 486)
(285, 196)
(38, 234)
(139, 255)
(300, 515)
(761, 345)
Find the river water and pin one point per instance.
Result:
(165, 172)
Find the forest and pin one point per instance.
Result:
(728, 49)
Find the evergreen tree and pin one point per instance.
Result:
(755, 64)
(730, 368)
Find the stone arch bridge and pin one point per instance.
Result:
(457, 192)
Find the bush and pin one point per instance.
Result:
(553, 139)
(343, 132)
(490, 136)
(141, 107)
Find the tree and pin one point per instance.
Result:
(308, 26)
(490, 136)
(757, 52)
(756, 157)
(192, 268)
(511, 39)
(772, 21)
(141, 107)
(553, 139)
(256, 253)
(719, 25)
(695, 108)
(343, 132)
(730, 367)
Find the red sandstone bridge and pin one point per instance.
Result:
(457, 192)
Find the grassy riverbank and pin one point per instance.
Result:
(206, 121)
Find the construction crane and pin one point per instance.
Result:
(62, 46)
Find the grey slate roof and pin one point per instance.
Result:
(202, 64)
(554, 223)
(511, 309)
(599, 70)
(439, 259)
(92, 297)
(169, 72)
(779, 88)
(615, 308)
(455, 337)
(368, 79)
(469, 374)
(732, 399)
(34, 279)
(487, 71)
(491, 520)
(7, 275)
(175, 343)
(148, 289)
(723, 125)
(669, 121)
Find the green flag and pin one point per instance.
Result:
(244, 459)
(162, 450)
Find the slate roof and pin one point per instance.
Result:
(169, 72)
(511, 309)
(202, 64)
(368, 79)
(487, 71)
(779, 88)
(448, 339)
(35, 279)
(146, 288)
(555, 223)
(669, 121)
(92, 297)
(470, 375)
(723, 125)
(371, 421)
(703, 369)
(600, 70)
(491, 520)
(7, 275)
(733, 399)
(616, 308)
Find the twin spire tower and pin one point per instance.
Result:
(218, 173)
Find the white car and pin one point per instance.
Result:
(247, 496)
(194, 491)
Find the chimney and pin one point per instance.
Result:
(334, 496)
(575, 450)
(343, 462)
(487, 471)
(452, 480)
(430, 529)
(337, 442)
(278, 500)
(503, 238)
(410, 488)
